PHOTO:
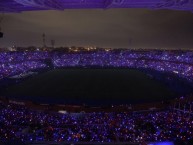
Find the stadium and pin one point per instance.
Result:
(175, 65)
(93, 95)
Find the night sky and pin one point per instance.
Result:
(130, 28)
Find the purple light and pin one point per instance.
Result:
(29, 5)
(180, 64)
(162, 143)
(93, 127)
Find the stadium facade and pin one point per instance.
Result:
(30, 5)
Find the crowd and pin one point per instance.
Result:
(176, 62)
(180, 64)
(10, 69)
(15, 63)
(19, 56)
(21, 123)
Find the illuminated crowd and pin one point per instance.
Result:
(179, 63)
(20, 122)
(176, 62)
(15, 63)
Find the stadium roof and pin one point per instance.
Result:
(31, 5)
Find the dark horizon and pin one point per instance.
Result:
(115, 28)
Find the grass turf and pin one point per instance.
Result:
(90, 86)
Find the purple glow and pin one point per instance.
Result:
(94, 127)
(29, 5)
(162, 143)
(178, 63)
(166, 125)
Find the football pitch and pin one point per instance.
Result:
(90, 86)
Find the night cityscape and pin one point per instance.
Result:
(96, 72)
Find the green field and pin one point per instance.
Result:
(91, 86)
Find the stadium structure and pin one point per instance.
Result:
(159, 123)
(30, 5)
(175, 62)
(149, 124)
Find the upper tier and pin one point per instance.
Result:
(176, 62)
(30, 5)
